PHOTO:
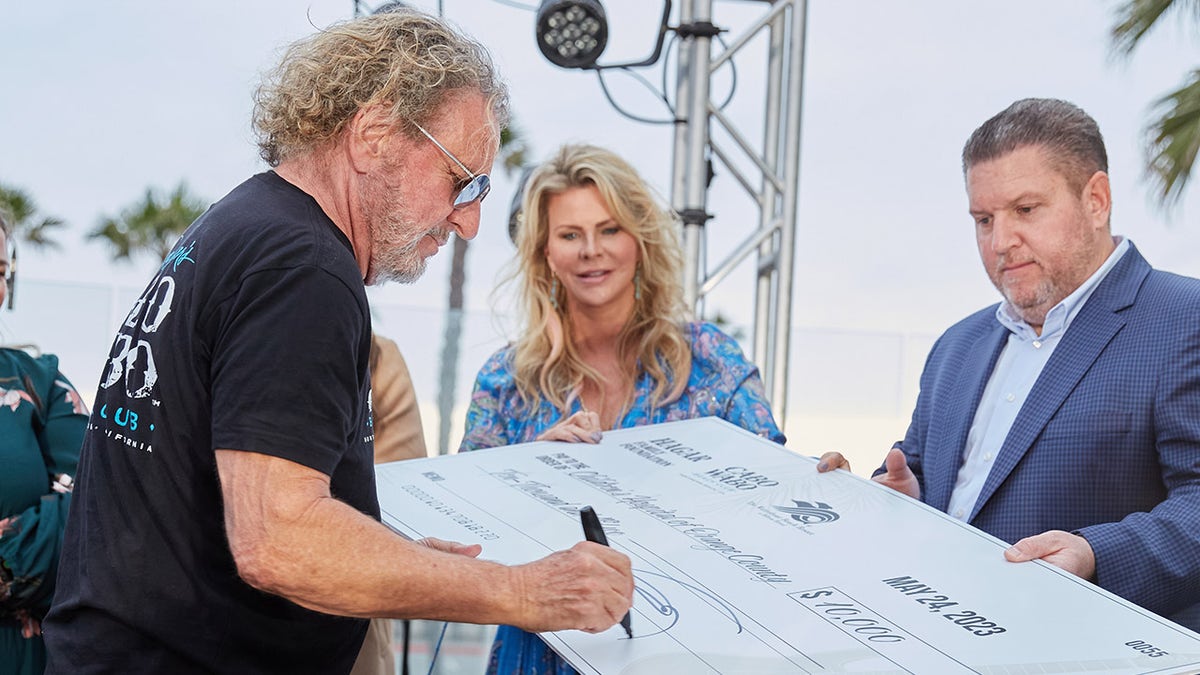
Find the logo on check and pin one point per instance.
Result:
(810, 514)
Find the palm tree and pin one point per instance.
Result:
(151, 225)
(513, 151)
(21, 213)
(1174, 130)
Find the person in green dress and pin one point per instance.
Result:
(42, 420)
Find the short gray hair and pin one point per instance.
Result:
(404, 59)
(1069, 135)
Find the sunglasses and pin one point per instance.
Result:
(477, 186)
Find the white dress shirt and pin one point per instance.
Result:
(1020, 363)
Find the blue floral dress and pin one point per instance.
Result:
(722, 383)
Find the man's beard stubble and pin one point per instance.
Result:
(403, 264)
(1058, 282)
(394, 250)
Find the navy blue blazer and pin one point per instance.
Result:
(1107, 444)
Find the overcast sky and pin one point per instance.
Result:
(102, 100)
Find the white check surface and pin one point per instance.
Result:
(748, 561)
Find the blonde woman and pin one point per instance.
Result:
(607, 343)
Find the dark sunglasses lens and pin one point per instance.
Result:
(473, 192)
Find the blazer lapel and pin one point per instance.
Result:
(955, 415)
(1091, 330)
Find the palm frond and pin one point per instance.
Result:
(21, 211)
(149, 226)
(16, 204)
(41, 235)
(514, 150)
(1135, 19)
(1174, 140)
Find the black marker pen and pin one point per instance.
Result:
(594, 532)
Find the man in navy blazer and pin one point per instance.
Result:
(1065, 419)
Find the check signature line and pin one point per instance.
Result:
(661, 603)
(650, 557)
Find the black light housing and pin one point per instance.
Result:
(514, 209)
(572, 33)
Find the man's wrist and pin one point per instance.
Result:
(1091, 553)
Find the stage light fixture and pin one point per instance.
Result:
(572, 33)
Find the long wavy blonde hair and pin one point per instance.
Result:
(546, 361)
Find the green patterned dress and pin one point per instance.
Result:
(42, 420)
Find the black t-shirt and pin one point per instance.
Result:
(254, 336)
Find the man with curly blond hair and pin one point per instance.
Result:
(225, 515)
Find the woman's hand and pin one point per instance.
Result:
(30, 627)
(832, 461)
(897, 475)
(582, 427)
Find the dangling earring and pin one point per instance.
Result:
(637, 283)
(553, 291)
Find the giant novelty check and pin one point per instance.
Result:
(747, 560)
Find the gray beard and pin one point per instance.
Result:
(390, 261)
(404, 265)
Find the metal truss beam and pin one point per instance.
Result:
(777, 160)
